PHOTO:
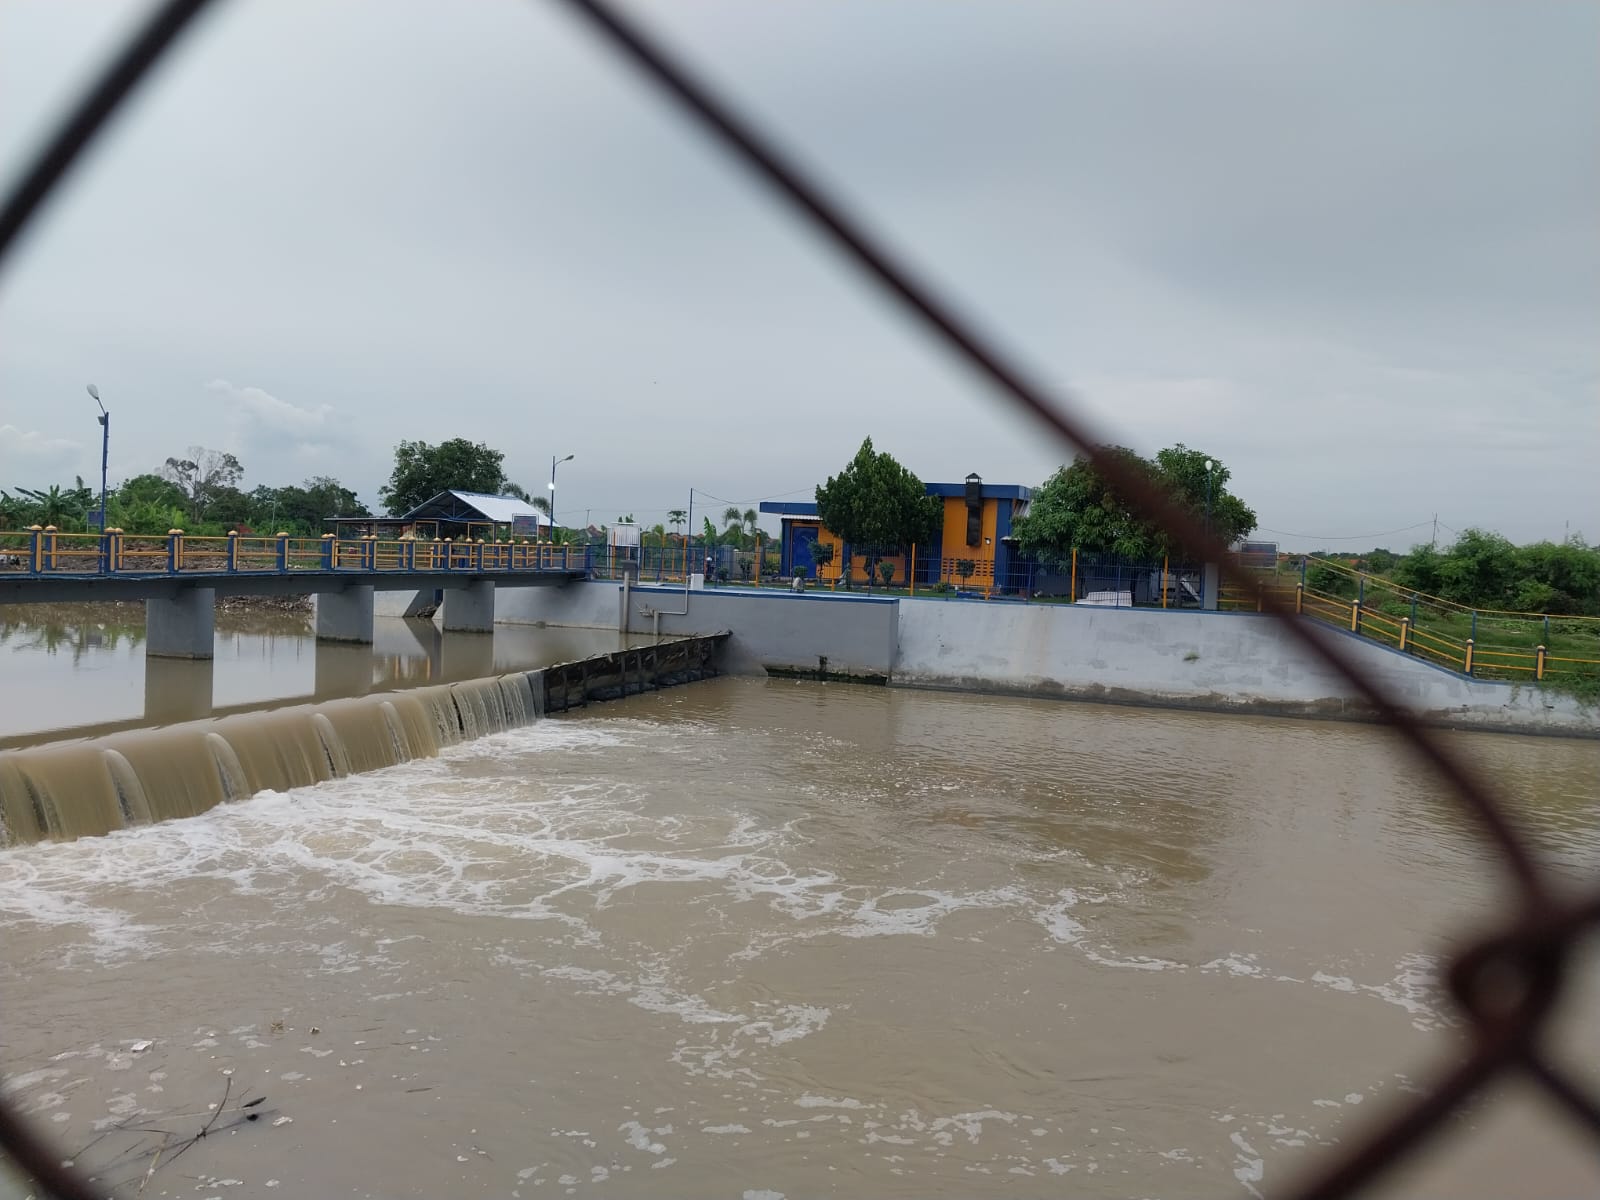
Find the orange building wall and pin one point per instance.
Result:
(955, 536)
(833, 572)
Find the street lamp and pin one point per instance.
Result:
(1210, 466)
(554, 463)
(105, 451)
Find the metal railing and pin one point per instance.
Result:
(1508, 979)
(44, 552)
(1484, 643)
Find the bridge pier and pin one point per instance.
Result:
(182, 627)
(470, 609)
(345, 616)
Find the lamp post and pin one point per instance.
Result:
(1210, 466)
(105, 451)
(554, 463)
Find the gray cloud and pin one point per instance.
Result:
(32, 458)
(1349, 249)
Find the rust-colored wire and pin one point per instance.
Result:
(1524, 963)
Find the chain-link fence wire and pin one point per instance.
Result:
(1506, 983)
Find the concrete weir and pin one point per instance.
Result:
(85, 787)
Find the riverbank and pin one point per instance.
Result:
(131, 612)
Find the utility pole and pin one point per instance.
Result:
(1434, 544)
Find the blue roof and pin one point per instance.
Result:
(990, 491)
(790, 508)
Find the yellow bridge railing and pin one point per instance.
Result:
(1488, 643)
(45, 551)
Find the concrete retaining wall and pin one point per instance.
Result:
(1221, 661)
(1218, 661)
(405, 604)
(831, 635)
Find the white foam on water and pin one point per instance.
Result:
(1068, 931)
(809, 1100)
(792, 1022)
(1236, 964)
(649, 993)
(640, 1137)
(1251, 1167)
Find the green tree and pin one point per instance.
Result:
(821, 555)
(330, 498)
(14, 511)
(1076, 509)
(151, 489)
(1204, 492)
(231, 509)
(50, 506)
(422, 471)
(676, 517)
(1558, 577)
(1422, 570)
(201, 475)
(877, 506)
(1379, 561)
(148, 504)
(1480, 569)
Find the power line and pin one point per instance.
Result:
(754, 499)
(1344, 537)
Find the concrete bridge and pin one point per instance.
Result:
(179, 577)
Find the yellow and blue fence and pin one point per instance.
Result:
(45, 551)
(1485, 643)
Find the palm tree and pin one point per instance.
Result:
(733, 533)
(676, 517)
(53, 504)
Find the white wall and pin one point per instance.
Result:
(1223, 661)
(1193, 659)
(779, 630)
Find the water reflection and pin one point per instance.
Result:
(83, 670)
(72, 630)
(177, 689)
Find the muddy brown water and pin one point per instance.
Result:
(761, 938)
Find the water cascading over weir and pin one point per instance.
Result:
(88, 788)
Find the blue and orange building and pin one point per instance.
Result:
(975, 532)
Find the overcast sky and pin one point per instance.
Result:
(1350, 249)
